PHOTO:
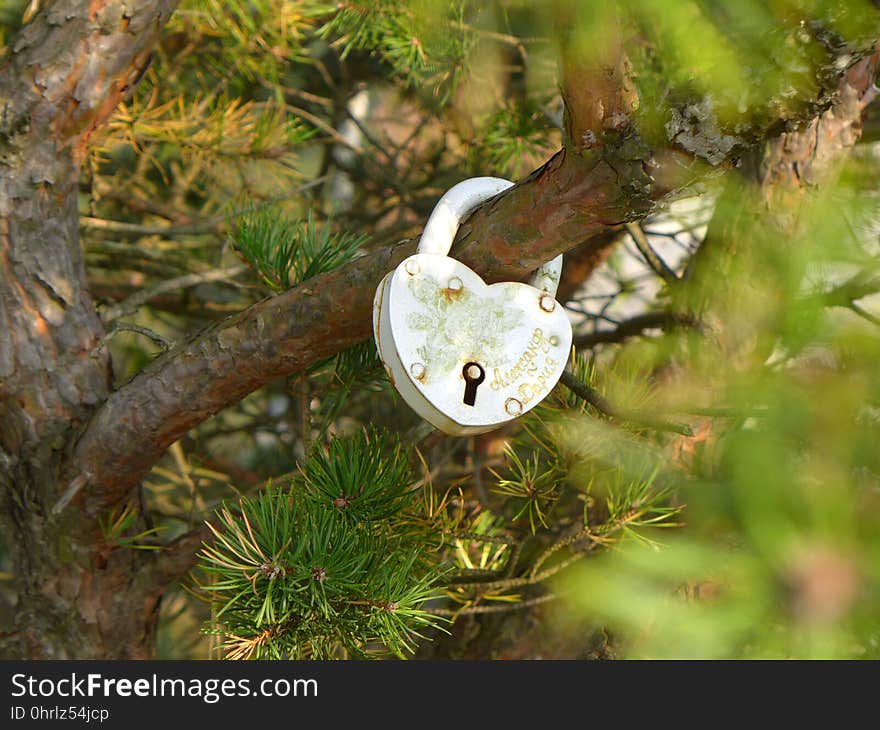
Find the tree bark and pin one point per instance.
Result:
(63, 76)
(759, 217)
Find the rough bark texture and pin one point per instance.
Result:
(762, 205)
(63, 76)
(71, 451)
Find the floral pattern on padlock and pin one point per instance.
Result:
(454, 318)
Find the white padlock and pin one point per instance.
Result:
(467, 356)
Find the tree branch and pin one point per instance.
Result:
(660, 267)
(634, 327)
(141, 297)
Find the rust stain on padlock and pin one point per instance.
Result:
(454, 290)
(451, 295)
(377, 328)
(418, 371)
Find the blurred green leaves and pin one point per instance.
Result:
(780, 555)
(780, 551)
(284, 252)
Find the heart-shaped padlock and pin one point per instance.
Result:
(467, 356)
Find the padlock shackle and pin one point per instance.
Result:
(460, 200)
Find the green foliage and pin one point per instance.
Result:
(360, 479)
(423, 43)
(533, 484)
(747, 60)
(11, 17)
(286, 253)
(330, 566)
(118, 530)
(779, 556)
(244, 33)
(513, 139)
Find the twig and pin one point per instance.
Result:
(368, 135)
(503, 608)
(148, 333)
(595, 399)
(557, 546)
(301, 93)
(635, 327)
(514, 559)
(211, 225)
(587, 393)
(72, 489)
(138, 299)
(865, 283)
(864, 314)
(660, 267)
(325, 127)
(506, 583)
(138, 229)
(469, 576)
(862, 284)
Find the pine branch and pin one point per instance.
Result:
(333, 559)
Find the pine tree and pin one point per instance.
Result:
(200, 452)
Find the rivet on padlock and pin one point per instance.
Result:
(467, 356)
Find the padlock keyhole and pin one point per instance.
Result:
(473, 375)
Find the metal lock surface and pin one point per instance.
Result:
(467, 356)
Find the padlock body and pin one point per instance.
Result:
(433, 316)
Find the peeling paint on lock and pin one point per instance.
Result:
(467, 356)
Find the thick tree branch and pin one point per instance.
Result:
(597, 182)
(763, 202)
